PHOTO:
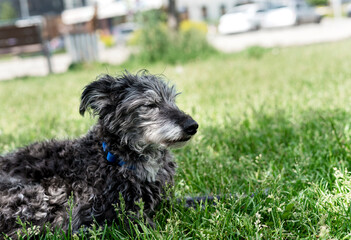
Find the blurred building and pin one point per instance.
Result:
(40, 7)
(205, 10)
(27, 8)
(110, 13)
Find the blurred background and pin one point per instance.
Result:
(49, 36)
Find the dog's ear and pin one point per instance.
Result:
(97, 96)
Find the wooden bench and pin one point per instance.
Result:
(28, 39)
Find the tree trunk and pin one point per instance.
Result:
(172, 15)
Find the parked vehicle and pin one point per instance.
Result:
(348, 10)
(241, 19)
(295, 13)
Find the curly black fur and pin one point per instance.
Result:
(137, 119)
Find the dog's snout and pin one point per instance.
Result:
(190, 126)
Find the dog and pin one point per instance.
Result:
(126, 153)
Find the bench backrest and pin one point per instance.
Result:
(13, 38)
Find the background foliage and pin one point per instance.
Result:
(318, 2)
(157, 44)
(7, 11)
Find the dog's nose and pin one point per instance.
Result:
(190, 127)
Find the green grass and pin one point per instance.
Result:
(274, 131)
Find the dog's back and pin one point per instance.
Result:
(33, 187)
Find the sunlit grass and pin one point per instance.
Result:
(274, 132)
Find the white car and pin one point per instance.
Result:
(241, 19)
(288, 15)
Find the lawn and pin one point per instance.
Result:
(275, 132)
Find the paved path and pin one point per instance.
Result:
(37, 66)
(32, 66)
(329, 30)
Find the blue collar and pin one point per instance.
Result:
(112, 158)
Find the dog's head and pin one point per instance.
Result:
(139, 109)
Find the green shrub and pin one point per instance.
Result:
(157, 43)
(7, 11)
(318, 2)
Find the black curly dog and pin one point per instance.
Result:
(125, 153)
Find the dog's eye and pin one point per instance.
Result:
(150, 105)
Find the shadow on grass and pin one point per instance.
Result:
(266, 150)
(279, 164)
